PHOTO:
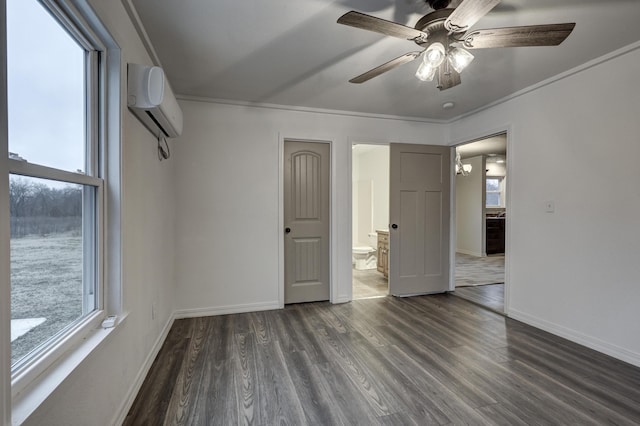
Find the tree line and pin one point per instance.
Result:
(38, 209)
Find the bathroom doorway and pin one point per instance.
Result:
(370, 220)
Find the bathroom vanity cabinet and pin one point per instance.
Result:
(383, 252)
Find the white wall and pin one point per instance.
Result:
(496, 169)
(96, 391)
(575, 142)
(470, 209)
(227, 191)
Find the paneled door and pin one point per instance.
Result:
(419, 219)
(306, 221)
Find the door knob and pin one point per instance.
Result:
(394, 226)
(287, 230)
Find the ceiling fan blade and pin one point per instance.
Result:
(468, 13)
(407, 57)
(533, 35)
(447, 77)
(382, 26)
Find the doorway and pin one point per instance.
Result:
(370, 220)
(480, 220)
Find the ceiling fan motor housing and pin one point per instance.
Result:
(438, 4)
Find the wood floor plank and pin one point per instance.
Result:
(151, 404)
(357, 322)
(318, 408)
(283, 405)
(261, 327)
(213, 391)
(414, 399)
(591, 409)
(521, 395)
(441, 368)
(424, 360)
(456, 408)
(484, 336)
(187, 383)
(246, 379)
(490, 296)
(294, 332)
(360, 375)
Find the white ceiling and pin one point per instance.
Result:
(294, 53)
(493, 146)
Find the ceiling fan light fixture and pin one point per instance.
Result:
(434, 55)
(459, 58)
(426, 72)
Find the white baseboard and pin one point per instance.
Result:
(575, 336)
(224, 310)
(469, 252)
(122, 412)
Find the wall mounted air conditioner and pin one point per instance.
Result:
(150, 98)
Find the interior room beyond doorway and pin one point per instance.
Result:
(481, 215)
(370, 220)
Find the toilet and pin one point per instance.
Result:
(364, 257)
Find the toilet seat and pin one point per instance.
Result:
(363, 250)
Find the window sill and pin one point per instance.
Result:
(28, 397)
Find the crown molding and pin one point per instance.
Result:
(308, 109)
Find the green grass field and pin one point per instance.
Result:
(46, 282)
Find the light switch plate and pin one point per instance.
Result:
(550, 207)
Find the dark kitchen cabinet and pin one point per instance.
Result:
(495, 235)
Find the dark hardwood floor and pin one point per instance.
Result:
(474, 270)
(387, 361)
(490, 296)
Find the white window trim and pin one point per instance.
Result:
(22, 393)
(5, 235)
(500, 191)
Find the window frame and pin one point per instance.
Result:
(22, 389)
(500, 192)
(93, 208)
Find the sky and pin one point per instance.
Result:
(45, 73)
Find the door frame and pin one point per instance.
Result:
(508, 130)
(333, 231)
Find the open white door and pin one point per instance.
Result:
(419, 219)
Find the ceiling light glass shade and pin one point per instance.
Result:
(467, 168)
(459, 59)
(434, 55)
(425, 72)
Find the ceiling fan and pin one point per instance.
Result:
(442, 35)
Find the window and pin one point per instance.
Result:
(495, 194)
(55, 181)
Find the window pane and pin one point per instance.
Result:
(49, 257)
(45, 72)
(493, 184)
(493, 199)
